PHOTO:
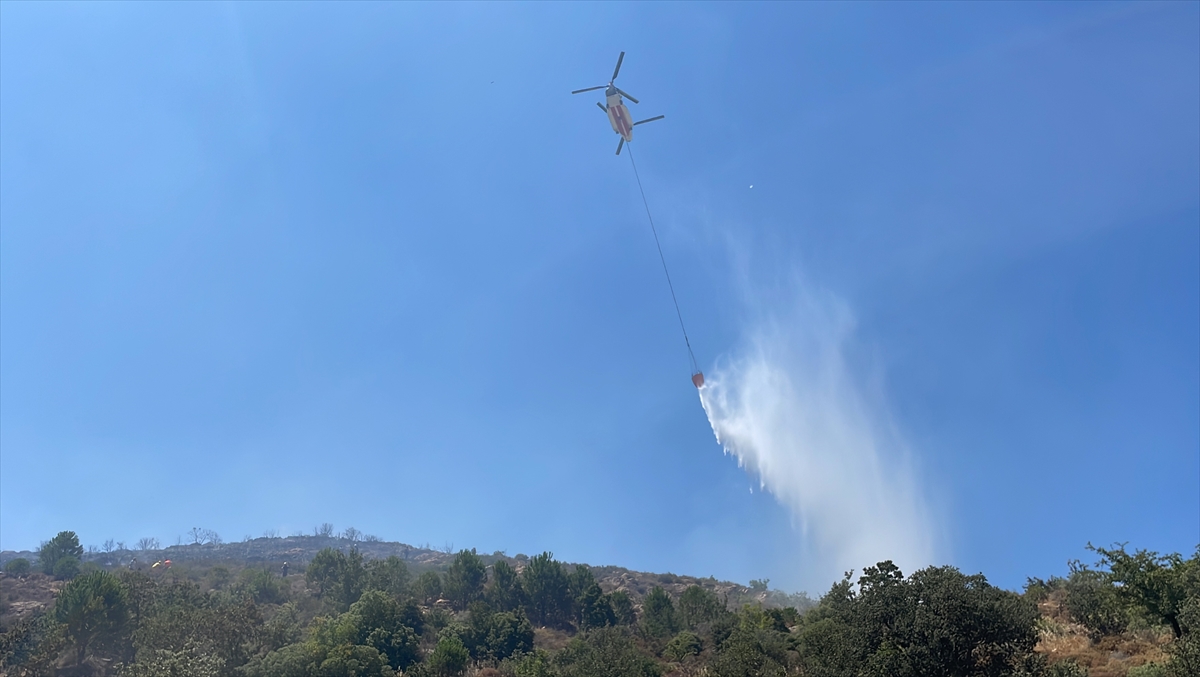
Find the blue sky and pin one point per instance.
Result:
(264, 266)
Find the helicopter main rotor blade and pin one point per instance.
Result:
(649, 120)
(602, 107)
(627, 95)
(620, 144)
(581, 91)
(618, 68)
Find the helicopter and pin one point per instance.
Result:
(618, 114)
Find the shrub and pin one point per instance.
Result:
(17, 567)
(683, 645)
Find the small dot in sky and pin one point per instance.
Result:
(752, 185)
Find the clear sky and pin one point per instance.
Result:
(268, 265)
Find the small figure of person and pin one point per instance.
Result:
(285, 569)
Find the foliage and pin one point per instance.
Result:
(622, 607)
(31, 645)
(249, 622)
(262, 586)
(389, 575)
(504, 591)
(1066, 668)
(1093, 602)
(496, 635)
(188, 662)
(698, 607)
(448, 658)
(464, 579)
(545, 582)
(65, 544)
(606, 652)
(94, 612)
(658, 614)
(683, 645)
(1157, 584)
(428, 587)
(1185, 654)
(337, 576)
(17, 567)
(936, 622)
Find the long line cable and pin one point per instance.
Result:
(662, 258)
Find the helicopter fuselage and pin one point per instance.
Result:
(618, 114)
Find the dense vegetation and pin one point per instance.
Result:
(348, 615)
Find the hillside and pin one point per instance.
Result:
(345, 606)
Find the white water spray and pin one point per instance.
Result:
(792, 411)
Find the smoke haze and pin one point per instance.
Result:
(797, 416)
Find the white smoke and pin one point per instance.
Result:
(794, 413)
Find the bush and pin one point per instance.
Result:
(17, 567)
(1066, 668)
(1147, 670)
(449, 657)
(683, 645)
(65, 544)
(1092, 602)
(66, 568)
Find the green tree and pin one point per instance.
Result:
(593, 608)
(658, 614)
(428, 587)
(605, 652)
(1157, 584)
(698, 607)
(190, 662)
(18, 567)
(683, 645)
(1093, 602)
(936, 622)
(545, 582)
(378, 621)
(263, 586)
(93, 609)
(622, 607)
(497, 635)
(754, 652)
(337, 576)
(65, 544)
(349, 660)
(504, 591)
(465, 579)
(449, 658)
(324, 571)
(389, 575)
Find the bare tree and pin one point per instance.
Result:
(271, 533)
(324, 531)
(351, 534)
(147, 543)
(109, 545)
(197, 535)
(448, 547)
(371, 538)
(121, 546)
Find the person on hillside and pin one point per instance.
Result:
(285, 569)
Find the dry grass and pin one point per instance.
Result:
(1112, 656)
